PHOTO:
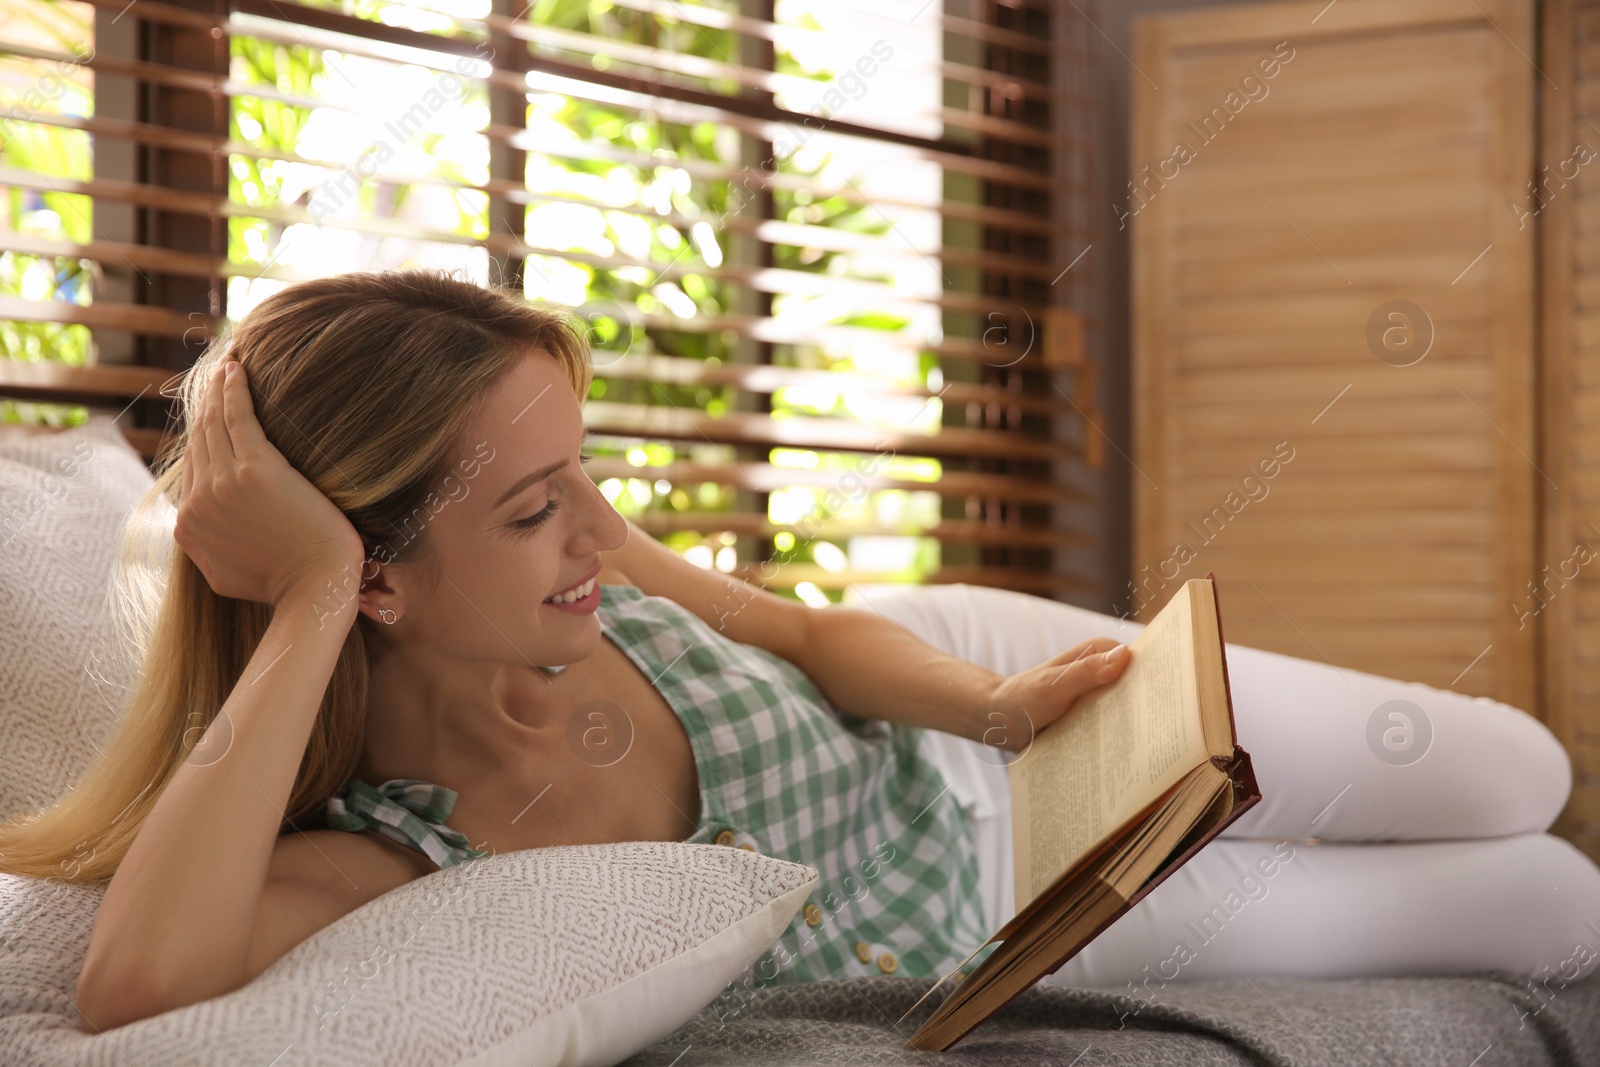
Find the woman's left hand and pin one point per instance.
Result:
(1025, 703)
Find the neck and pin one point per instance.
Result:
(452, 722)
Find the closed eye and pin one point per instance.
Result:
(542, 516)
(538, 518)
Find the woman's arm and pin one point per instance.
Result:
(176, 921)
(870, 666)
(175, 924)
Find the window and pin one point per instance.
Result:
(815, 241)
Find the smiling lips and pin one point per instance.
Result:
(576, 592)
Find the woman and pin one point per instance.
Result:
(386, 618)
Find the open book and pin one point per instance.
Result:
(1108, 801)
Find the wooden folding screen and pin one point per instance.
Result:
(1333, 330)
(1566, 591)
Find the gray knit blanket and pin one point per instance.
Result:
(1486, 1019)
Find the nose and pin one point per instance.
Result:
(604, 529)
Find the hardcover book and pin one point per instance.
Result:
(1109, 800)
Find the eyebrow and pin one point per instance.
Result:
(537, 476)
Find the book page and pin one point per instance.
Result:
(1216, 709)
(1111, 755)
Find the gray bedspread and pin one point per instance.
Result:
(1478, 1020)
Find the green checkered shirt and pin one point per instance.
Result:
(785, 773)
(407, 810)
(795, 777)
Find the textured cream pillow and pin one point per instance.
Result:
(573, 955)
(64, 671)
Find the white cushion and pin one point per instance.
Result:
(570, 955)
(63, 670)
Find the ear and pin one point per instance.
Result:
(379, 591)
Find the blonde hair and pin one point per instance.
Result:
(366, 382)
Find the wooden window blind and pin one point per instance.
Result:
(817, 244)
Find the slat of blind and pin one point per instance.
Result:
(798, 431)
(767, 477)
(714, 18)
(113, 189)
(140, 257)
(135, 317)
(760, 378)
(973, 532)
(48, 380)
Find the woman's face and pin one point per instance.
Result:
(517, 522)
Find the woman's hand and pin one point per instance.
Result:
(1025, 703)
(255, 526)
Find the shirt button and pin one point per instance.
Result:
(813, 915)
(725, 837)
(863, 952)
(887, 963)
(745, 841)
